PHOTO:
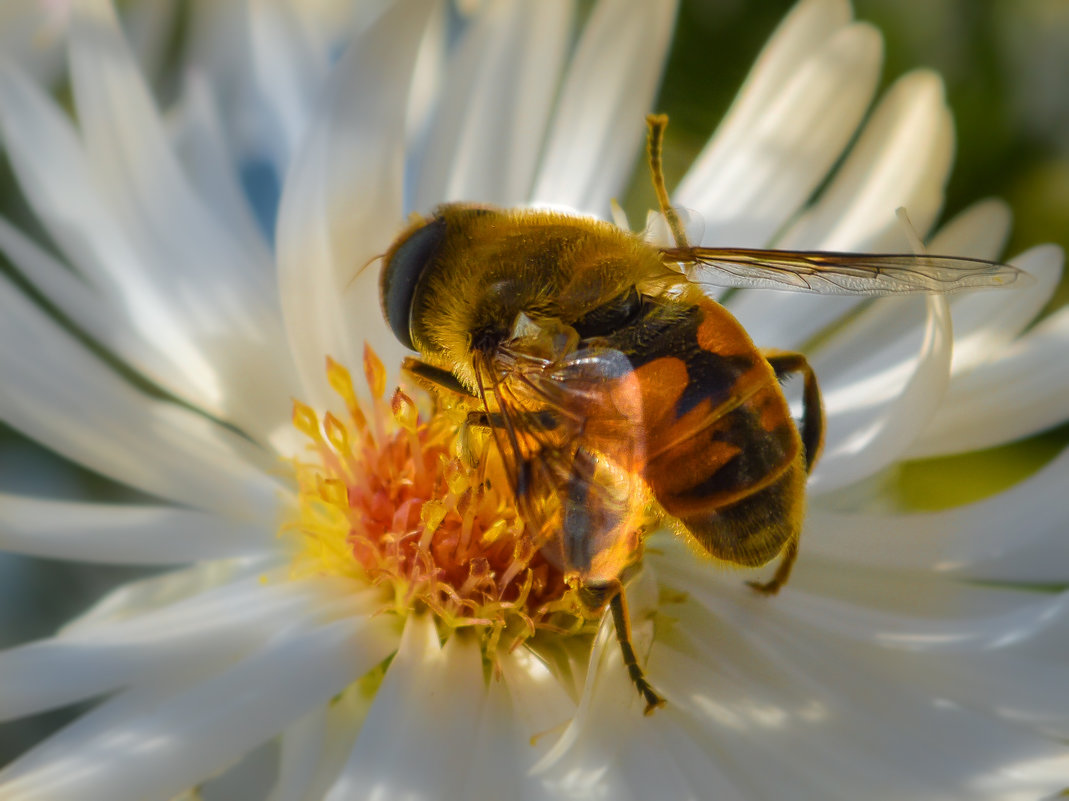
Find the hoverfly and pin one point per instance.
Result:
(617, 391)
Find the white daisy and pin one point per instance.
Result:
(905, 659)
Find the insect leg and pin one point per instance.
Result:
(594, 597)
(654, 142)
(434, 379)
(783, 572)
(785, 362)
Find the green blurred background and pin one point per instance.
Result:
(1005, 64)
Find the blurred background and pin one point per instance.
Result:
(1006, 64)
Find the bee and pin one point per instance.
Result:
(617, 391)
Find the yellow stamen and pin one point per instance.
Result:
(384, 498)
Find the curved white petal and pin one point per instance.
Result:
(982, 540)
(776, 145)
(287, 71)
(190, 263)
(342, 201)
(133, 163)
(1021, 391)
(606, 93)
(157, 741)
(515, 728)
(841, 709)
(83, 304)
(838, 725)
(31, 34)
(988, 320)
(422, 722)
(155, 592)
(492, 113)
(186, 639)
(212, 162)
(978, 232)
(124, 533)
(901, 159)
(315, 748)
(806, 29)
(61, 193)
(149, 26)
(161, 313)
(59, 393)
(879, 406)
(581, 760)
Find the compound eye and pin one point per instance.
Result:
(404, 265)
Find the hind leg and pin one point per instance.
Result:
(785, 363)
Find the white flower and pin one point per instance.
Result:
(906, 658)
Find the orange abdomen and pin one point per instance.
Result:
(723, 455)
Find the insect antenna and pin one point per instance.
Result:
(361, 269)
(654, 145)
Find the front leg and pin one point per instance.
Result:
(594, 597)
(434, 379)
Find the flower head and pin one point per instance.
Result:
(359, 610)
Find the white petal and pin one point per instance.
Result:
(887, 324)
(901, 158)
(607, 91)
(900, 611)
(779, 682)
(149, 27)
(31, 34)
(132, 160)
(140, 596)
(662, 759)
(540, 703)
(218, 44)
(316, 747)
(775, 146)
(153, 744)
(979, 232)
(422, 723)
(494, 106)
(804, 31)
(342, 201)
(185, 639)
(179, 348)
(986, 321)
(61, 192)
(193, 264)
(287, 71)
(59, 393)
(123, 533)
(83, 304)
(581, 758)
(1021, 391)
(878, 407)
(200, 141)
(979, 539)
(836, 725)
(499, 759)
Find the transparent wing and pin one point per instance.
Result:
(570, 435)
(840, 273)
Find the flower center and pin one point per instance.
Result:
(419, 503)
